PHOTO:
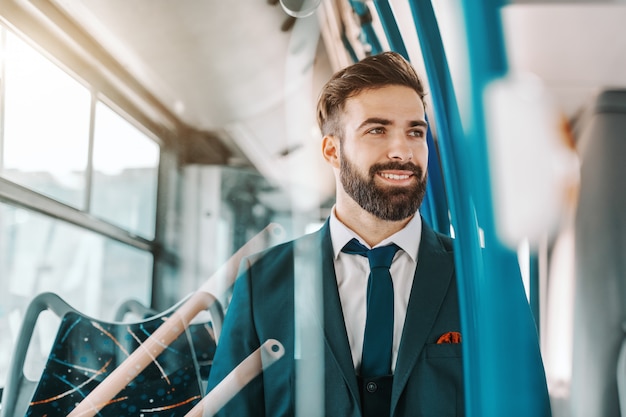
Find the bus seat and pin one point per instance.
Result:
(86, 350)
(600, 248)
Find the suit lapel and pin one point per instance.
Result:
(334, 326)
(435, 267)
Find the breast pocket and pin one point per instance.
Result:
(444, 350)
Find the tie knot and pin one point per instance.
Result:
(378, 257)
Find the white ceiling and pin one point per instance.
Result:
(211, 62)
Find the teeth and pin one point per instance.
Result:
(394, 176)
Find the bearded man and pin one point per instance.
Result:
(392, 341)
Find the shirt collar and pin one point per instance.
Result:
(408, 239)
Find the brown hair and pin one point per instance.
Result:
(388, 68)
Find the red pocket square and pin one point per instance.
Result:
(449, 337)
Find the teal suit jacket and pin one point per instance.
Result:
(428, 378)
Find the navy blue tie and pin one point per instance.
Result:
(378, 339)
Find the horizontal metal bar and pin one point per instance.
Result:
(17, 195)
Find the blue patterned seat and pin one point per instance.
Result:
(86, 351)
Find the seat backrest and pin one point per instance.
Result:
(204, 331)
(85, 352)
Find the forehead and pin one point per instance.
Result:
(393, 102)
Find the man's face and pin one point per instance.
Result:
(383, 154)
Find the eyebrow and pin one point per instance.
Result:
(387, 122)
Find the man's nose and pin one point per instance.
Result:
(400, 149)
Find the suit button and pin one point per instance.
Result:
(371, 387)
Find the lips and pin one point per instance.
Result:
(394, 171)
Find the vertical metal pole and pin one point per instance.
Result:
(499, 336)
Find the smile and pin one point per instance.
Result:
(395, 176)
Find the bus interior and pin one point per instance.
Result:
(144, 142)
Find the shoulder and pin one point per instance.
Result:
(446, 241)
(437, 239)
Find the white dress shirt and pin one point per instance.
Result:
(352, 274)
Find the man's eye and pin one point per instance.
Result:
(417, 133)
(376, 131)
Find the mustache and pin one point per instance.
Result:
(407, 166)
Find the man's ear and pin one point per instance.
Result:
(330, 150)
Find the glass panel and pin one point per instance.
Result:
(125, 176)
(92, 273)
(46, 126)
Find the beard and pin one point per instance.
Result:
(387, 203)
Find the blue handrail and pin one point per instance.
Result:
(367, 30)
(501, 355)
(515, 358)
(394, 37)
